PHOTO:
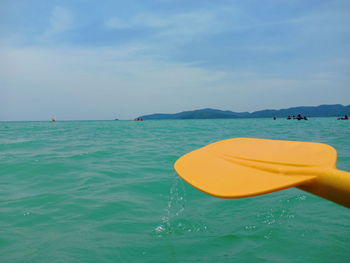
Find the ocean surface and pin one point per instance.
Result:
(106, 191)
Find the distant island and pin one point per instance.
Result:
(335, 110)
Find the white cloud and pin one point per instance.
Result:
(126, 81)
(143, 20)
(61, 20)
(105, 83)
(180, 27)
(93, 83)
(117, 23)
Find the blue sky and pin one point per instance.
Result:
(121, 59)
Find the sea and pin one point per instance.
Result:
(106, 191)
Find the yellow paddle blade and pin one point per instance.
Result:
(244, 167)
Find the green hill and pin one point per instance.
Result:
(335, 110)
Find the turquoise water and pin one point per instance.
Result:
(106, 191)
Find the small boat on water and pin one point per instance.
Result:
(344, 118)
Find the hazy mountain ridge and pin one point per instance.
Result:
(309, 111)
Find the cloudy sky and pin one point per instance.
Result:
(92, 59)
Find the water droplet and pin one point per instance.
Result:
(160, 229)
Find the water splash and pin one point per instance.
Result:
(174, 220)
(175, 207)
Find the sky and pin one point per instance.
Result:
(100, 60)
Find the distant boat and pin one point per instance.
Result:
(53, 120)
(344, 118)
(139, 119)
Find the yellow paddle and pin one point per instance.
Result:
(244, 167)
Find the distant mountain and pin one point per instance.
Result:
(197, 114)
(309, 111)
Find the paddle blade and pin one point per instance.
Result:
(244, 167)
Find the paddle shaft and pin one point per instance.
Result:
(331, 184)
